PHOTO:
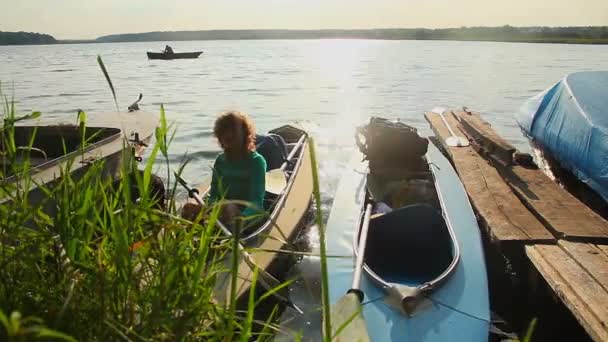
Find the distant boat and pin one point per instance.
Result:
(568, 124)
(167, 56)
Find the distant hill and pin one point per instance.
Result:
(592, 34)
(25, 38)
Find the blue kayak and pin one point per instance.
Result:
(424, 275)
(570, 121)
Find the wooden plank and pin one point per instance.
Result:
(591, 258)
(486, 137)
(561, 212)
(579, 291)
(506, 218)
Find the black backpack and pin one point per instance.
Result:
(390, 144)
(273, 148)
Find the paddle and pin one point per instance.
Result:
(346, 318)
(453, 140)
(275, 179)
(268, 281)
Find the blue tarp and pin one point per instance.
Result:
(570, 120)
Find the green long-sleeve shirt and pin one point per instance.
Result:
(243, 180)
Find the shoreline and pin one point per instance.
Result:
(568, 41)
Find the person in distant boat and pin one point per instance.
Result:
(238, 173)
(168, 50)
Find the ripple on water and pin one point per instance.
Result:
(39, 96)
(193, 136)
(73, 94)
(172, 103)
(198, 155)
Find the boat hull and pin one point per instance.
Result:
(166, 56)
(458, 310)
(116, 129)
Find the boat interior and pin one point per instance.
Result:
(408, 240)
(45, 145)
(276, 148)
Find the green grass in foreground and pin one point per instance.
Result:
(103, 267)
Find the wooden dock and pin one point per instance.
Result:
(522, 210)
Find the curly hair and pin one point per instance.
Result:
(229, 120)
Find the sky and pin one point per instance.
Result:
(86, 19)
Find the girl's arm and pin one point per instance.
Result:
(214, 191)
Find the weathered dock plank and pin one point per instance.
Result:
(590, 257)
(494, 144)
(506, 219)
(558, 210)
(575, 286)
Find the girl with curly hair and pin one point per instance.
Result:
(238, 173)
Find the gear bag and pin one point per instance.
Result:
(390, 144)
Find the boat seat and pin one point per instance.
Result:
(418, 188)
(412, 242)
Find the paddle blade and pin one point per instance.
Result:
(455, 141)
(347, 321)
(439, 110)
(275, 181)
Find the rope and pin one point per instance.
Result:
(438, 302)
(457, 310)
(372, 301)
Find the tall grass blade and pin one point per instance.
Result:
(234, 272)
(52, 334)
(107, 76)
(248, 324)
(530, 330)
(319, 221)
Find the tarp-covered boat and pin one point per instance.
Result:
(424, 270)
(179, 55)
(570, 121)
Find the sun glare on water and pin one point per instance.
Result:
(340, 67)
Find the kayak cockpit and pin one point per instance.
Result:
(416, 239)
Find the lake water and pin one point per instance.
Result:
(326, 86)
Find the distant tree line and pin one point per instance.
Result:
(25, 38)
(592, 34)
